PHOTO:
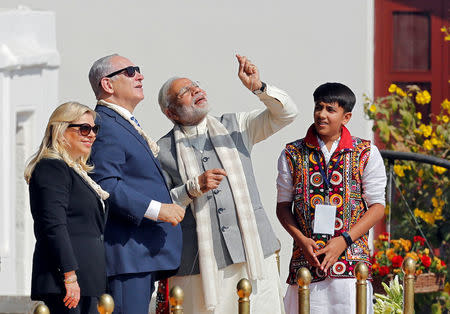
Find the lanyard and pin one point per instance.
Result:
(326, 178)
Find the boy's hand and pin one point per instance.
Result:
(308, 247)
(332, 251)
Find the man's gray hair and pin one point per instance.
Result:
(99, 70)
(163, 96)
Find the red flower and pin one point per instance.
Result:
(397, 261)
(426, 260)
(443, 263)
(419, 239)
(384, 270)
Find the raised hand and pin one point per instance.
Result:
(171, 213)
(248, 73)
(210, 179)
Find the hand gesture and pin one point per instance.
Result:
(72, 290)
(172, 213)
(248, 73)
(332, 251)
(308, 247)
(210, 179)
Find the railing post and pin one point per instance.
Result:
(409, 269)
(362, 272)
(303, 281)
(244, 289)
(41, 309)
(277, 255)
(105, 304)
(176, 299)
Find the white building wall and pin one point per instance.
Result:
(28, 87)
(297, 45)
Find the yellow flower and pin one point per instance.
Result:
(434, 141)
(426, 96)
(400, 92)
(423, 97)
(417, 212)
(392, 88)
(399, 170)
(413, 255)
(373, 108)
(434, 201)
(443, 29)
(426, 130)
(420, 173)
(445, 118)
(426, 251)
(438, 192)
(445, 105)
(438, 170)
(419, 115)
(447, 287)
(427, 145)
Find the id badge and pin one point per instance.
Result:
(324, 219)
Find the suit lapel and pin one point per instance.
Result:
(120, 120)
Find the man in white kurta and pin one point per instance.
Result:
(226, 233)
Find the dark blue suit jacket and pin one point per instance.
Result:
(127, 169)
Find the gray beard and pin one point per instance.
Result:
(191, 115)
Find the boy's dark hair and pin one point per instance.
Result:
(335, 92)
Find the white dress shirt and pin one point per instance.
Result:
(373, 178)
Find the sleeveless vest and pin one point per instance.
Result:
(346, 167)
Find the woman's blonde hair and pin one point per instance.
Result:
(54, 144)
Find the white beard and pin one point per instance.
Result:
(191, 115)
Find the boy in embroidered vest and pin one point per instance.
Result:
(331, 191)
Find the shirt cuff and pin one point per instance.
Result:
(153, 210)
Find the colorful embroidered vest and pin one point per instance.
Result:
(345, 193)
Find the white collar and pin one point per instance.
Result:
(327, 154)
(121, 109)
(194, 130)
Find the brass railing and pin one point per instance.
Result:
(105, 306)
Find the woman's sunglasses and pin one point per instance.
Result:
(85, 129)
(129, 71)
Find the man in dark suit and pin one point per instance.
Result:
(142, 236)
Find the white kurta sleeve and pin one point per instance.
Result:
(257, 125)
(374, 178)
(285, 187)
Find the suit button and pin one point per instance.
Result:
(205, 159)
(220, 210)
(224, 228)
(216, 191)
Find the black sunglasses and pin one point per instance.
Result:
(85, 129)
(130, 71)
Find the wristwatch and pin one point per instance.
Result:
(261, 90)
(347, 238)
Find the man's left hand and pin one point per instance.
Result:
(332, 251)
(248, 73)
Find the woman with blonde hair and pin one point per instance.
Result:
(69, 214)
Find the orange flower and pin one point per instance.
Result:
(413, 255)
(390, 253)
